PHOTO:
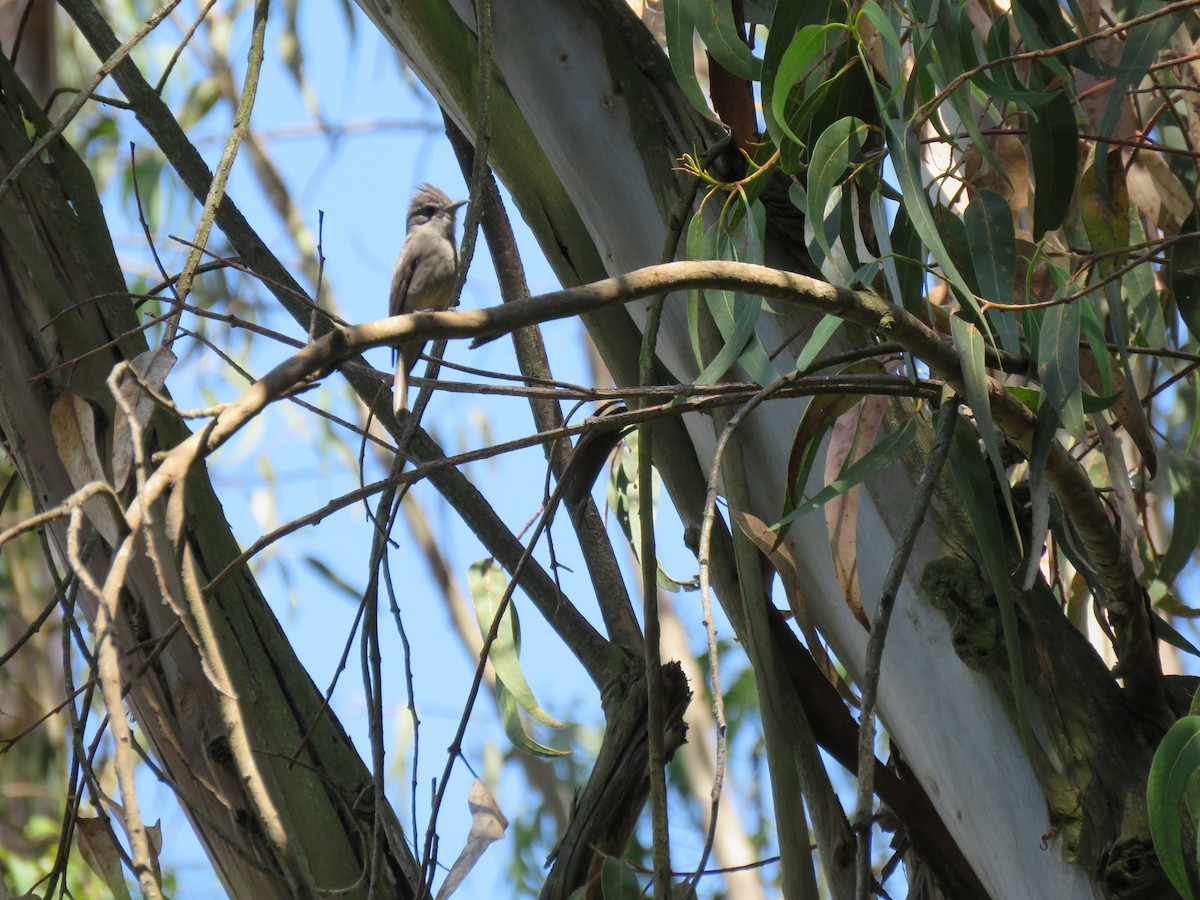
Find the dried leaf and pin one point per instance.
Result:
(852, 437)
(488, 825)
(789, 576)
(98, 846)
(1125, 407)
(73, 425)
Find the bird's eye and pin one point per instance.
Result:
(428, 210)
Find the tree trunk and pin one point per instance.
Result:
(68, 321)
(586, 125)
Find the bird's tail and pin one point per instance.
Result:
(400, 384)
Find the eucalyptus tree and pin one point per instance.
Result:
(902, 302)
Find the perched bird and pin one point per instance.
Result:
(424, 275)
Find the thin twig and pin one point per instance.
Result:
(216, 191)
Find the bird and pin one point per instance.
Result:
(423, 279)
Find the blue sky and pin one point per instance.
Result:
(281, 467)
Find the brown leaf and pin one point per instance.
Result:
(793, 588)
(73, 424)
(852, 437)
(488, 825)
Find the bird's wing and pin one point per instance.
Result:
(402, 277)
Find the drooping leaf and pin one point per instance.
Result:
(1184, 478)
(1142, 296)
(975, 488)
(1166, 632)
(1002, 82)
(794, 589)
(1142, 45)
(909, 255)
(1053, 155)
(831, 155)
(152, 367)
(906, 159)
(787, 21)
(852, 437)
(1183, 274)
(700, 243)
(624, 499)
(878, 458)
(816, 342)
(514, 728)
(1172, 773)
(993, 243)
(680, 25)
(1104, 207)
(487, 583)
(1058, 365)
(719, 32)
(797, 63)
(618, 881)
(818, 418)
(488, 825)
(736, 316)
(1039, 492)
(969, 344)
(1115, 392)
(886, 30)
(99, 848)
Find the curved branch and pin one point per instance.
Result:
(1135, 643)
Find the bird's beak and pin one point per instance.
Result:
(456, 204)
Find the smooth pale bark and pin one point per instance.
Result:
(608, 124)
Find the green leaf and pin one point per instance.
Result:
(514, 728)
(993, 243)
(1184, 477)
(798, 62)
(893, 53)
(1058, 365)
(735, 315)
(817, 340)
(1142, 45)
(1183, 274)
(680, 26)
(1002, 81)
(618, 881)
(714, 21)
(906, 160)
(909, 254)
(831, 156)
(1171, 775)
(875, 460)
(487, 583)
(787, 20)
(969, 344)
(1053, 156)
(975, 488)
(818, 418)
(700, 244)
(1104, 207)
(1141, 294)
(1165, 631)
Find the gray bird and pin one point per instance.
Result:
(424, 275)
